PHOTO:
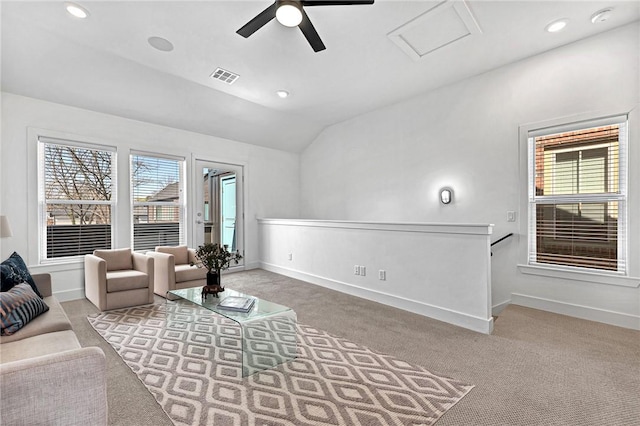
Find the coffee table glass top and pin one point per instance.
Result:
(261, 309)
(268, 330)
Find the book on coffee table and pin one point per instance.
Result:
(237, 303)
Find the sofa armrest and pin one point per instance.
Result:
(43, 282)
(66, 388)
(164, 272)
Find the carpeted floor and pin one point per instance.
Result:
(537, 368)
(192, 361)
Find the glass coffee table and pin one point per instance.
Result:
(268, 330)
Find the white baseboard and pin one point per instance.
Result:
(460, 319)
(67, 295)
(496, 309)
(584, 312)
(252, 265)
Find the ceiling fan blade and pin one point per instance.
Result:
(259, 21)
(334, 2)
(310, 33)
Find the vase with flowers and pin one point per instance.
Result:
(216, 258)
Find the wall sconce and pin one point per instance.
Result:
(446, 195)
(5, 229)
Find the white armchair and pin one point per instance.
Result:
(118, 278)
(173, 270)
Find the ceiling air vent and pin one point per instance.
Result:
(224, 75)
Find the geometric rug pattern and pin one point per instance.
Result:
(190, 359)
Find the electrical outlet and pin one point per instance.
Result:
(363, 271)
(511, 216)
(290, 256)
(356, 270)
(382, 275)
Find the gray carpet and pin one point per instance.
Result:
(537, 368)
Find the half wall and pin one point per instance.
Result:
(442, 271)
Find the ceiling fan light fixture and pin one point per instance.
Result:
(289, 13)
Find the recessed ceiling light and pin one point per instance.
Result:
(601, 15)
(76, 10)
(557, 25)
(282, 93)
(161, 44)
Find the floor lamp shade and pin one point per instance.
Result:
(5, 229)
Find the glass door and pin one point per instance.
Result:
(218, 210)
(228, 210)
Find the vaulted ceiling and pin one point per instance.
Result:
(376, 55)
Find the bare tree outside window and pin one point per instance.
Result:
(78, 174)
(78, 189)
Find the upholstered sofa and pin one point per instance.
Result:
(173, 269)
(46, 377)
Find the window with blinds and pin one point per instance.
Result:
(577, 195)
(157, 190)
(76, 189)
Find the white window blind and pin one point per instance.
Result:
(77, 197)
(157, 188)
(578, 195)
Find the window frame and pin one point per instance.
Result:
(42, 202)
(182, 204)
(629, 278)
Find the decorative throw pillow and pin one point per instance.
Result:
(18, 306)
(14, 271)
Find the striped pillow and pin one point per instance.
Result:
(18, 306)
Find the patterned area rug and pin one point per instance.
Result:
(191, 361)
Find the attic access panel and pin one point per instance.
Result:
(438, 27)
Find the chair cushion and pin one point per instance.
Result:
(189, 273)
(14, 271)
(18, 306)
(117, 259)
(126, 280)
(180, 253)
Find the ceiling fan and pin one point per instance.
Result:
(290, 13)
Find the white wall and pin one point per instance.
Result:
(446, 275)
(271, 176)
(389, 164)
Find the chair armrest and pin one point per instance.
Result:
(43, 282)
(192, 256)
(70, 389)
(142, 263)
(164, 272)
(95, 280)
(164, 258)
